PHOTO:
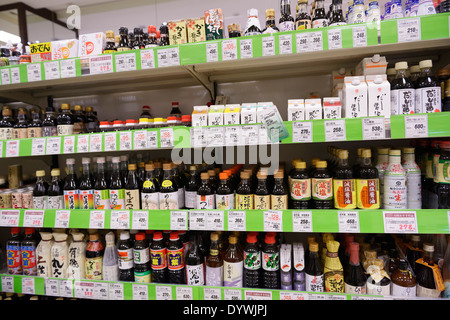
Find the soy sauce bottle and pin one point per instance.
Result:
(158, 258)
(40, 191)
(403, 98)
(49, 124)
(55, 191)
(322, 187)
(428, 90)
(150, 189)
(279, 195)
(319, 19)
(224, 194)
(123, 42)
(336, 16)
(287, 22)
(344, 184)
(367, 183)
(303, 19)
(190, 192)
(164, 31)
(262, 195)
(126, 258)
(168, 199)
(300, 187)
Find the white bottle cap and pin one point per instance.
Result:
(46, 236)
(425, 64)
(355, 81)
(376, 58)
(401, 65)
(70, 161)
(124, 235)
(252, 12)
(85, 160)
(101, 160)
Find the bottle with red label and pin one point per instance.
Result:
(13, 253)
(71, 191)
(158, 258)
(344, 184)
(175, 259)
(28, 251)
(367, 183)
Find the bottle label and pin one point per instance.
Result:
(334, 281)
(175, 259)
(395, 196)
(368, 193)
(354, 289)
(126, 259)
(168, 200)
(400, 291)
(344, 194)
(442, 172)
(279, 202)
(6, 133)
(180, 197)
(300, 189)
(55, 202)
(225, 201)
(111, 273)
(142, 277)
(314, 283)
(101, 199)
(94, 268)
(287, 26)
(446, 293)
(86, 199)
(34, 132)
(150, 201)
(262, 202)
(252, 260)
(71, 199)
(232, 274)
(414, 187)
(190, 199)
(271, 261)
(205, 202)
(214, 276)
(403, 101)
(14, 259)
(76, 260)
(132, 199)
(49, 131)
(20, 133)
(303, 24)
(378, 290)
(141, 256)
(428, 100)
(320, 23)
(244, 201)
(78, 128)
(322, 189)
(117, 199)
(158, 259)
(195, 275)
(64, 129)
(40, 202)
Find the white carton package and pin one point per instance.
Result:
(298, 256)
(248, 113)
(296, 109)
(371, 66)
(91, 44)
(379, 96)
(331, 108)
(231, 114)
(200, 116)
(215, 115)
(64, 49)
(354, 96)
(313, 109)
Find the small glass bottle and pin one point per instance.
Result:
(287, 22)
(234, 30)
(123, 43)
(71, 186)
(233, 264)
(110, 46)
(244, 193)
(214, 263)
(65, 121)
(279, 194)
(55, 191)
(367, 183)
(322, 187)
(6, 124)
(20, 127)
(354, 278)
(337, 17)
(403, 282)
(164, 34)
(314, 278)
(303, 18)
(253, 26)
(262, 195)
(344, 184)
(319, 19)
(34, 129)
(152, 40)
(270, 22)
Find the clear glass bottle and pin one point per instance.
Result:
(116, 187)
(71, 186)
(233, 264)
(214, 263)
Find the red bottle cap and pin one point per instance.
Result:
(445, 144)
(29, 230)
(130, 121)
(251, 237)
(117, 122)
(270, 239)
(171, 118)
(104, 123)
(146, 107)
(186, 118)
(223, 176)
(15, 230)
(151, 29)
(175, 103)
(174, 235)
(140, 236)
(157, 235)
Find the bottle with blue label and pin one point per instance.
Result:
(13, 253)
(158, 254)
(28, 251)
(175, 259)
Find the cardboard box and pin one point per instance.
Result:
(296, 109)
(332, 108)
(354, 96)
(214, 24)
(177, 32)
(196, 30)
(64, 49)
(379, 96)
(313, 109)
(200, 116)
(41, 51)
(91, 44)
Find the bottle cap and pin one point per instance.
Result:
(395, 152)
(157, 235)
(223, 176)
(174, 236)
(332, 246)
(314, 161)
(429, 247)
(115, 159)
(401, 65)
(124, 235)
(15, 230)
(211, 173)
(65, 106)
(85, 160)
(270, 13)
(214, 236)
(132, 166)
(270, 238)
(29, 230)
(321, 164)
(46, 236)
(204, 175)
(140, 236)
(245, 175)
(70, 161)
(77, 236)
(251, 237)
(149, 167)
(232, 239)
(425, 64)
(55, 172)
(366, 153)
(167, 166)
(343, 154)
(40, 173)
(252, 12)
(78, 108)
(408, 150)
(415, 237)
(101, 160)
(93, 237)
(279, 174)
(383, 151)
(314, 247)
(151, 29)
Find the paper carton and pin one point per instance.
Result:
(214, 24)
(231, 114)
(215, 115)
(354, 96)
(371, 66)
(296, 109)
(64, 49)
(177, 32)
(196, 30)
(313, 109)
(200, 116)
(379, 96)
(91, 44)
(248, 113)
(331, 108)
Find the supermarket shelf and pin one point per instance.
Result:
(424, 221)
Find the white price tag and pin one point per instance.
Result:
(120, 219)
(400, 222)
(197, 220)
(15, 75)
(10, 218)
(68, 68)
(6, 79)
(139, 220)
(198, 137)
(166, 138)
(163, 58)
(174, 56)
(97, 219)
(348, 221)
(33, 218)
(214, 220)
(268, 46)
(84, 289)
(140, 292)
(140, 139)
(51, 70)
(125, 62)
(152, 139)
(257, 295)
(7, 284)
(101, 290)
(212, 294)
(62, 218)
(147, 59)
(273, 221)
(38, 147)
(236, 221)
(101, 64)
(232, 294)
(115, 291)
(28, 285)
(96, 142)
(163, 293)
(51, 287)
(302, 131)
(184, 293)
(232, 135)
(83, 143)
(302, 42)
(315, 41)
(317, 296)
(215, 136)
(178, 220)
(373, 128)
(335, 130)
(212, 52)
(110, 141)
(34, 72)
(360, 36)
(334, 39)
(69, 144)
(292, 295)
(12, 148)
(285, 43)
(250, 135)
(416, 126)
(408, 30)
(229, 49)
(246, 46)
(125, 140)
(66, 288)
(53, 145)
(302, 221)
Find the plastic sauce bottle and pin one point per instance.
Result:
(279, 196)
(270, 277)
(28, 251)
(233, 262)
(214, 263)
(55, 191)
(126, 258)
(141, 254)
(300, 187)
(428, 90)
(150, 189)
(101, 187)
(94, 258)
(395, 192)
(403, 99)
(175, 259)
(40, 191)
(158, 253)
(413, 179)
(252, 262)
(168, 198)
(86, 186)
(344, 184)
(195, 262)
(117, 188)
(367, 183)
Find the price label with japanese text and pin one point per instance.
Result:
(84, 289)
(139, 220)
(96, 142)
(360, 36)
(97, 219)
(236, 221)
(400, 222)
(184, 293)
(101, 290)
(51, 70)
(140, 139)
(5, 76)
(152, 139)
(232, 135)
(140, 292)
(147, 58)
(33, 218)
(115, 291)
(229, 49)
(51, 287)
(408, 30)
(232, 294)
(34, 72)
(302, 221)
(10, 218)
(335, 130)
(53, 145)
(62, 218)
(83, 143)
(120, 219)
(68, 68)
(285, 43)
(214, 220)
(66, 288)
(166, 137)
(268, 46)
(125, 142)
(110, 141)
(12, 148)
(315, 41)
(273, 221)
(38, 147)
(334, 39)
(302, 131)
(174, 56)
(246, 46)
(416, 126)
(28, 285)
(178, 220)
(125, 62)
(15, 75)
(163, 293)
(290, 295)
(348, 221)
(212, 52)
(373, 128)
(7, 284)
(101, 64)
(197, 220)
(212, 294)
(69, 144)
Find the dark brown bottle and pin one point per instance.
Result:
(354, 278)
(262, 194)
(168, 199)
(428, 90)
(190, 192)
(65, 121)
(414, 252)
(205, 194)
(287, 22)
(150, 189)
(20, 128)
(214, 263)
(336, 16)
(319, 18)
(244, 193)
(300, 187)
(367, 183)
(303, 19)
(110, 46)
(322, 187)
(314, 270)
(123, 42)
(233, 264)
(403, 281)
(344, 187)
(132, 189)
(6, 124)
(426, 285)
(279, 195)
(79, 120)
(94, 258)
(224, 193)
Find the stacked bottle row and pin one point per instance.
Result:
(364, 264)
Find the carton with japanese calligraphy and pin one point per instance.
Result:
(313, 109)
(331, 108)
(177, 32)
(296, 109)
(196, 30)
(214, 24)
(379, 96)
(354, 95)
(41, 51)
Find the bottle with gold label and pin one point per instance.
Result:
(300, 187)
(150, 189)
(322, 187)
(333, 271)
(20, 128)
(110, 46)
(343, 184)
(244, 193)
(168, 197)
(279, 196)
(262, 195)
(303, 19)
(132, 189)
(367, 183)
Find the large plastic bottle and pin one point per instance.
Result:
(413, 179)
(252, 262)
(175, 259)
(270, 263)
(158, 253)
(110, 259)
(43, 254)
(94, 258)
(28, 251)
(395, 191)
(126, 259)
(141, 253)
(59, 255)
(77, 256)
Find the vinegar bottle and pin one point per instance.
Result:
(233, 263)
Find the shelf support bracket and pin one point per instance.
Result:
(203, 80)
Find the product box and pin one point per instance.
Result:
(313, 109)
(215, 115)
(196, 30)
(91, 44)
(177, 32)
(271, 121)
(231, 114)
(214, 24)
(200, 116)
(298, 256)
(41, 51)
(331, 108)
(379, 96)
(248, 113)
(354, 96)
(296, 109)
(371, 66)
(64, 49)
(286, 264)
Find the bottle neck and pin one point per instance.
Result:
(150, 174)
(270, 21)
(366, 161)
(302, 8)
(343, 162)
(55, 179)
(40, 180)
(285, 8)
(383, 158)
(70, 169)
(409, 157)
(214, 249)
(354, 257)
(400, 74)
(428, 257)
(319, 4)
(394, 159)
(167, 174)
(86, 169)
